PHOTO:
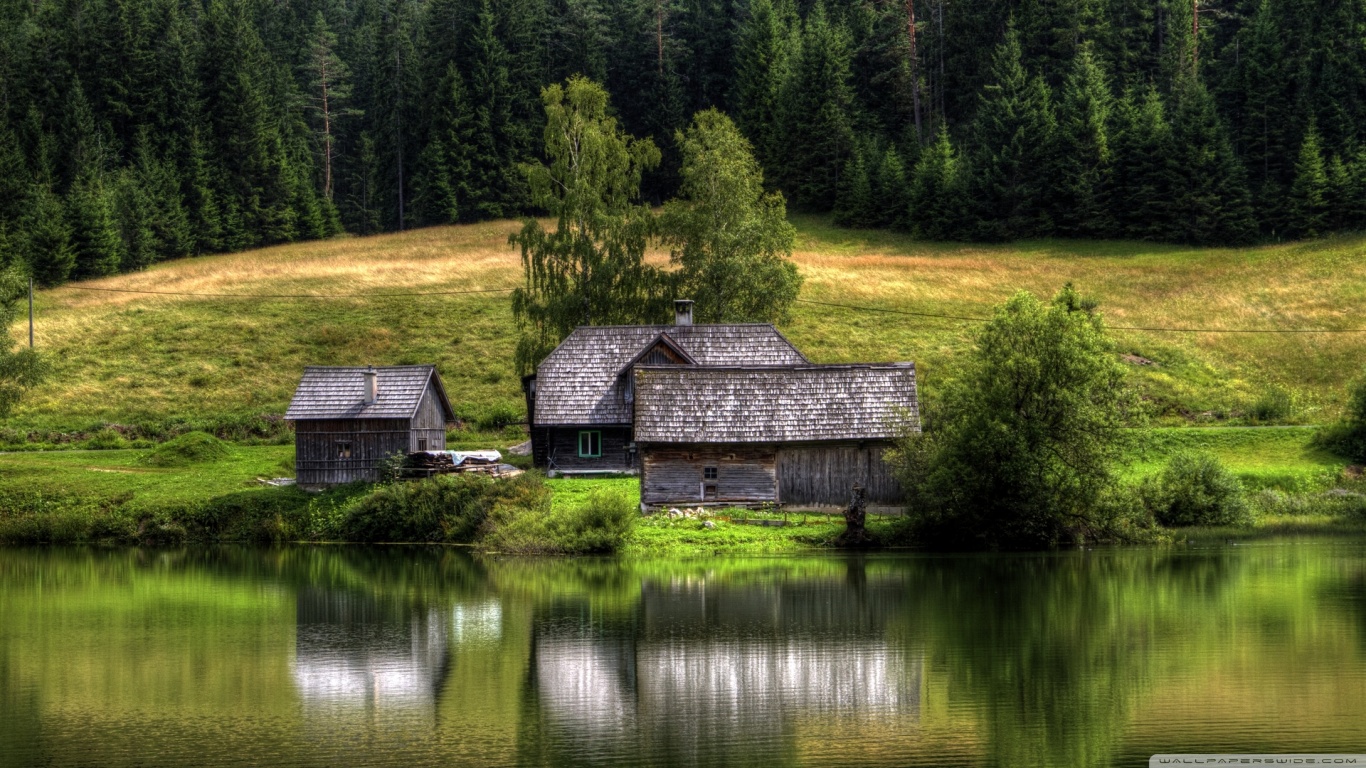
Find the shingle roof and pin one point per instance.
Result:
(339, 393)
(682, 404)
(578, 383)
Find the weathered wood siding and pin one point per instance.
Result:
(825, 474)
(315, 446)
(429, 424)
(558, 448)
(673, 474)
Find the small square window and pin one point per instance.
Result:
(422, 443)
(343, 450)
(590, 444)
(709, 473)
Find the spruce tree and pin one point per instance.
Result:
(817, 132)
(854, 200)
(937, 194)
(1310, 194)
(47, 238)
(94, 230)
(762, 52)
(442, 186)
(1212, 204)
(498, 140)
(1084, 152)
(891, 190)
(1012, 157)
(1145, 175)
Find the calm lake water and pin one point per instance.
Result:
(410, 657)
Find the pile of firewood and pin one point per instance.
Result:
(440, 462)
(424, 463)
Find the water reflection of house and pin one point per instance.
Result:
(705, 668)
(353, 651)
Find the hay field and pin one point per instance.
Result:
(125, 357)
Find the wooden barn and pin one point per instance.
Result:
(579, 401)
(792, 435)
(347, 419)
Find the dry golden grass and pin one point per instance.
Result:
(124, 357)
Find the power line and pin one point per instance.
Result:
(295, 295)
(1110, 327)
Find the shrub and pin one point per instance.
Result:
(1349, 437)
(446, 508)
(498, 416)
(600, 525)
(106, 440)
(189, 448)
(1195, 489)
(1276, 404)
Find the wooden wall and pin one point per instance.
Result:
(558, 448)
(673, 474)
(429, 423)
(825, 474)
(795, 475)
(315, 447)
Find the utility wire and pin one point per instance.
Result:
(1110, 327)
(295, 295)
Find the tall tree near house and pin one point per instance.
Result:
(329, 93)
(591, 269)
(730, 240)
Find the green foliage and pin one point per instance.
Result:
(1085, 158)
(591, 270)
(106, 440)
(729, 240)
(1309, 195)
(185, 450)
(599, 525)
(816, 113)
(1277, 404)
(1021, 452)
(445, 508)
(938, 193)
(1195, 489)
(1348, 438)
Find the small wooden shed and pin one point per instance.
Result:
(792, 435)
(348, 419)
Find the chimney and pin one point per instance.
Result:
(682, 312)
(371, 386)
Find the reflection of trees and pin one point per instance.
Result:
(1051, 652)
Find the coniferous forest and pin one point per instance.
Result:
(133, 131)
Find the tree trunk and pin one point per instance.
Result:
(915, 67)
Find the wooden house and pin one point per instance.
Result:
(793, 435)
(579, 401)
(348, 419)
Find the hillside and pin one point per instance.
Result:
(130, 358)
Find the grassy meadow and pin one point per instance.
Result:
(127, 358)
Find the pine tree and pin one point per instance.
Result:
(891, 190)
(854, 201)
(815, 115)
(1013, 136)
(1145, 177)
(1084, 153)
(1309, 195)
(498, 140)
(762, 52)
(94, 231)
(1211, 204)
(47, 238)
(1261, 96)
(937, 192)
(329, 95)
(442, 186)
